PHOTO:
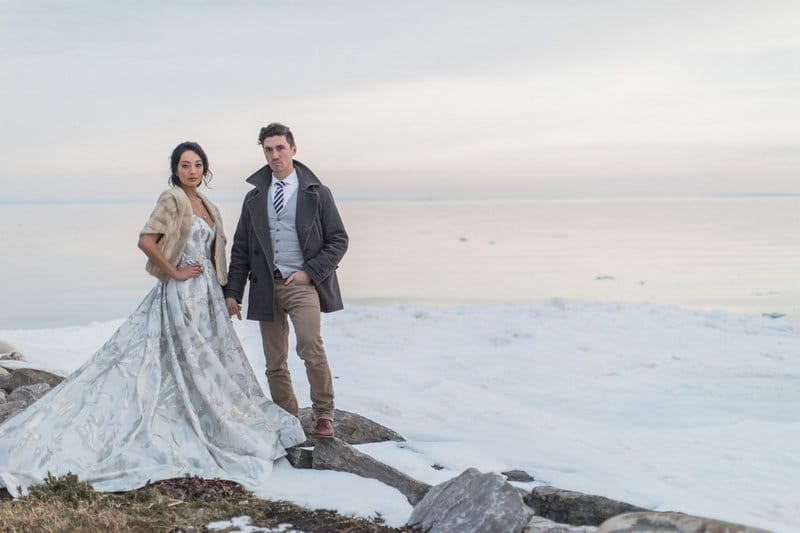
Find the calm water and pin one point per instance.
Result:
(77, 263)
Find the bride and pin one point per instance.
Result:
(171, 392)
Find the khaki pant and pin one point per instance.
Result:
(301, 302)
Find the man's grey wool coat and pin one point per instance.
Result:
(320, 232)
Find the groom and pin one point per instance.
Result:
(288, 243)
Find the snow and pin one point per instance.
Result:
(658, 406)
(243, 525)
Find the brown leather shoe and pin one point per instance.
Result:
(324, 429)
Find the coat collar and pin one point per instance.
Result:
(305, 176)
(307, 204)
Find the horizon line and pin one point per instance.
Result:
(381, 199)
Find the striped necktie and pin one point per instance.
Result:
(277, 201)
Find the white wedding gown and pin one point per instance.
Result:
(171, 393)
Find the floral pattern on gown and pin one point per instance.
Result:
(170, 393)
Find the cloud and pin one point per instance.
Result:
(389, 99)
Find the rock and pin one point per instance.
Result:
(471, 502)
(29, 393)
(539, 524)
(12, 356)
(299, 457)
(576, 508)
(9, 409)
(5, 378)
(28, 376)
(518, 475)
(335, 454)
(673, 522)
(523, 493)
(3, 396)
(351, 427)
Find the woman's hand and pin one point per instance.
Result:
(148, 243)
(188, 271)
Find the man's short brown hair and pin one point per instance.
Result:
(273, 129)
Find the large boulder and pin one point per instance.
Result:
(576, 508)
(518, 475)
(351, 427)
(9, 409)
(652, 521)
(335, 454)
(29, 376)
(471, 502)
(300, 457)
(29, 393)
(540, 524)
(5, 378)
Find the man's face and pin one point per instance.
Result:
(279, 155)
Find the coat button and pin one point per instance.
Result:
(256, 252)
(254, 280)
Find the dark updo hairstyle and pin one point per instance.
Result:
(188, 146)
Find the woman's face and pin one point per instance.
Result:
(190, 170)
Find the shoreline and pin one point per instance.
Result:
(462, 304)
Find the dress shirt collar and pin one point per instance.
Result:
(289, 181)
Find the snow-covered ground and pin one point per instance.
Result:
(661, 407)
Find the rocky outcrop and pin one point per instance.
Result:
(9, 409)
(8, 351)
(350, 427)
(335, 454)
(21, 387)
(539, 524)
(518, 475)
(471, 502)
(645, 522)
(576, 508)
(30, 376)
(485, 502)
(300, 457)
(29, 393)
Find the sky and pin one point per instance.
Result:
(404, 100)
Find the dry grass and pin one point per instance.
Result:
(185, 504)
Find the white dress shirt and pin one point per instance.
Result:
(290, 185)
